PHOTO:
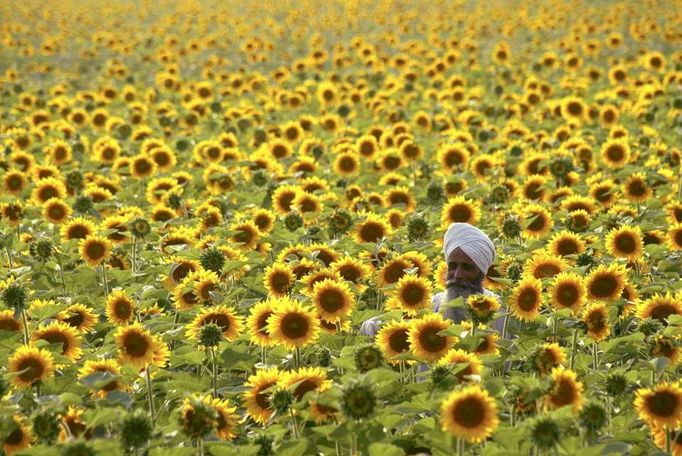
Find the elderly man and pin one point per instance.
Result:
(469, 253)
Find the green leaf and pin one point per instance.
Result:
(172, 452)
(385, 449)
(217, 449)
(293, 447)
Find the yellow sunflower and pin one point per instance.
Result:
(77, 228)
(660, 405)
(526, 299)
(120, 308)
(568, 292)
(469, 413)
(63, 334)
(596, 318)
(660, 306)
(18, 437)
(95, 366)
(459, 209)
(278, 279)
(535, 220)
(393, 338)
(333, 299)
(138, 347)
(615, 153)
(95, 249)
(29, 365)
(305, 380)
(411, 294)
(605, 283)
(625, 242)
(257, 322)
(565, 390)
(372, 229)
(424, 340)
(293, 325)
(256, 400)
(246, 235)
(565, 243)
(473, 364)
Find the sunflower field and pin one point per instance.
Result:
(201, 202)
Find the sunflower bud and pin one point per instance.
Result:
(340, 222)
(368, 357)
(140, 227)
(83, 204)
(259, 178)
(281, 400)
(14, 296)
(77, 448)
(545, 433)
(593, 416)
(434, 192)
(417, 228)
(210, 335)
(212, 259)
(358, 400)
(615, 384)
(293, 221)
(41, 249)
(74, 179)
(46, 427)
(136, 430)
(265, 442)
(442, 378)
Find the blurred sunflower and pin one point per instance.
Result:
(605, 283)
(57, 332)
(625, 242)
(660, 405)
(30, 365)
(256, 399)
(565, 390)
(138, 347)
(120, 308)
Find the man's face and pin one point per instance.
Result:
(463, 277)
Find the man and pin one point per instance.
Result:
(469, 252)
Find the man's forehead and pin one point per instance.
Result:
(460, 256)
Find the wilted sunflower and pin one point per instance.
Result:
(565, 390)
(223, 316)
(63, 334)
(256, 400)
(95, 249)
(372, 229)
(137, 346)
(472, 363)
(469, 413)
(625, 242)
(660, 307)
(257, 322)
(424, 340)
(393, 338)
(110, 366)
(278, 279)
(120, 308)
(18, 437)
(568, 292)
(605, 283)
(459, 209)
(292, 324)
(411, 294)
(596, 319)
(526, 299)
(333, 299)
(661, 405)
(30, 365)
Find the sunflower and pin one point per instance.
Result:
(605, 283)
(565, 243)
(469, 413)
(568, 292)
(574, 109)
(547, 357)
(223, 316)
(46, 189)
(18, 437)
(246, 235)
(333, 299)
(674, 237)
(542, 266)
(120, 308)
(660, 405)
(367, 146)
(526, 299)
(180, 269)
(63, 334)
(472, 362)
(402, 197)
(605, 191)
(8, 322)
(29, 365)
(278, 279)
(226, 418)
(392, 271)
(424, 340)
(351, 270)
(615, 153)
(565, 390)
(453, 157)
(459, 209)
(322, 252)
(636, 189)
(137, 346)
(660, 307)
(411, 294)
(596, 319)
(312, 278)
(292, 324)
(77, 228)
(14, 182)
(95, 249)
(257, 322)
(393, 338)
(659, 436)
(346, 164)
(142, 167)
(535, 220)
(372, 229)
(283, 198)
(111, 366)
(203, 283)
(264, 220)
(625, 242)
(305, 380)
(256, 400)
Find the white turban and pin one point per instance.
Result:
(472, 241)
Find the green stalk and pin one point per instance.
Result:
(574, 346)
(24, 322)
(215, 372)
(150, 393)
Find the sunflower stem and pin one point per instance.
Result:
(574, 346)
(668, 443)
(200, 446)
(555, 322)
(37, 389)
(24, 323)
(61, 274)
(215, 372)
(134, 258)
(150, 393)
(105, 283)
(294, 425)
(263, 355)
(595, 356)
(460, 446)
(297, 358)
(176, 320)
(10, 259)
(504, 324)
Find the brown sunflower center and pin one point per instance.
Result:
(615, 153)
(567, 295)
(220, 320)
(545, 270)
(122, 309)
(280, 282)
(95, 250)
(295, 326)
(304, 387)
(371, 232)
(243, 235)
(262, 323)
(332, 300)
(567, 247)
(528, 299)
(262, 399)
(604, 285)
(625, 243)
(33, 368)
(78, 232)
(398, 341)
(539, 223)
(662, 311)
(15, 437)
(469, 413)
(413, 295)
(596, 321)
(430, 340)
(9, 324)
(136, 344)
(205, 290)
(662, 404)
(459, 213)
(564, 393)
